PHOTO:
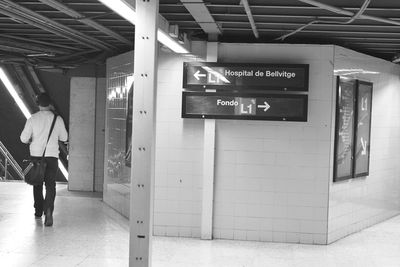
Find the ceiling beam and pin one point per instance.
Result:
(348, 13)
(363, 44)
(79, 17)
(369, 39)
(381, 28)
(13, 10)
(337, 33)
(246, 6)
(32, 47)
(280, 24)
(283, 16)
(202, 16)
(260, 29)
(72, 4)
(19, 50)
(31, 41)
(280, 7)
(25, 82)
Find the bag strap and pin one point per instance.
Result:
(51, 131)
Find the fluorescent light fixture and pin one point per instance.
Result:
(354, 71)
(122, 9)
(7, 83)
(128, 12)
(166, 40)
(129, 81)
(62, 169)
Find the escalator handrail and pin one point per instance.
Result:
(13, 163)
(10, 157)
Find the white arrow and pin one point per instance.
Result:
(364, 146)
(197, 75)
(265, 106)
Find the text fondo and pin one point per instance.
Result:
(221, 102)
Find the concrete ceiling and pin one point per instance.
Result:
(66, 33)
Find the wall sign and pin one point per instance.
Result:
(240, 106)
(362, 129)
(353, 129)
(243, 76)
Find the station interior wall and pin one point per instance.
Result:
(359, 203)
(273, 180)
(179, 157)
(272, 177)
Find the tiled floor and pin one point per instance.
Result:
(88, 233)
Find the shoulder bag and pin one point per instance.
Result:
(35, 175)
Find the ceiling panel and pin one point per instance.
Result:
(273, 19)
(278, 18)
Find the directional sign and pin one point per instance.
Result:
(243, 76)
(239, 106)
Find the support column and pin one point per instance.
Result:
(143, 134)
(81, 133)
(208, 161)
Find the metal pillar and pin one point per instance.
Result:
(143, 134)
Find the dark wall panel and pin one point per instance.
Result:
(12, 122)
(57, 86)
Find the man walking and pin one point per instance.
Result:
(36, 133)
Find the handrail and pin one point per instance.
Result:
(10, 157)
(7, 174)
(9, 160)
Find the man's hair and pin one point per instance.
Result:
(43, 100)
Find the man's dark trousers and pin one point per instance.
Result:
(42, 204)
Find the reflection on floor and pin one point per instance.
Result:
(88, 233)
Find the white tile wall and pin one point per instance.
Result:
(359, 203)
(271, 178)
(179, 157)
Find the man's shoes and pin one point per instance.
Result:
(49, 218)
(38, 214)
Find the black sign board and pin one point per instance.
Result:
(243, 76)
(240, 106)
(344, 133)
(362, 129)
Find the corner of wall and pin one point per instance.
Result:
(332, 138)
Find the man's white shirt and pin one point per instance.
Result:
(37, 130)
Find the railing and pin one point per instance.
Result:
(7, 161)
